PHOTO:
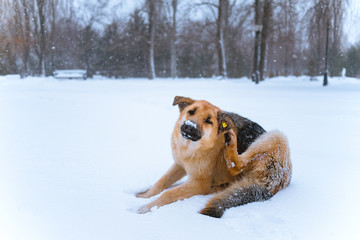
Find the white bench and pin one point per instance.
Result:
(70, 74)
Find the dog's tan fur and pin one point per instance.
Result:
(266, 163)
(211, 164)
(269, 151)
(203, 161)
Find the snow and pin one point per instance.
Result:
(74, 153)
(190, 123)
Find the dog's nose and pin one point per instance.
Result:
(189, 126)
(190, 131)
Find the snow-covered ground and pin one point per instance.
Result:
(74, 153)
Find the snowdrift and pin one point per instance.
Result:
(74, 153)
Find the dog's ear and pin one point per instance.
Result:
(182, 102)
(225, 121)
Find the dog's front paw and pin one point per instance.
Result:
(148, 193)
(144, 209)
(230, 138)
(227, 138)
(143, 194)
(233, 161)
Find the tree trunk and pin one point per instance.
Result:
(266, 23)
(151, 4)
(41, 9)
(255, 72)
(53, 6)
(26, 51)
(173, 41)
(325, 83)
(220, 38)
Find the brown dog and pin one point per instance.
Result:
(221, 152)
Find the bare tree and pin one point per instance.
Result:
(42, 40)
(222, 9)
(256, 61)
(266, 24)
(21, 32)
(222, 16)
(27, 39)
(316, 32)
(325, 82)
(152, 16)
(18, 34)
(238, 22)
(334, 16)
(337, 9)
(288, 34)
(325, 17)
(53, 9)
(10, 37)
(174, 4)
(93, 11)
(88, 35)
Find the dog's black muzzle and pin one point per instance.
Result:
(189, 131)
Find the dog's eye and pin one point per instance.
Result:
(208, 120)
(192, 112)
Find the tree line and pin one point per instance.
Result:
(177, 38)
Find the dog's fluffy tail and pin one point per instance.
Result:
(239, 193)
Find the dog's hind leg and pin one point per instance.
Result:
(269, 147)
(175, 173)
(239, 193)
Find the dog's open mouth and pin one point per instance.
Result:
(190, 137)
(190, 131)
